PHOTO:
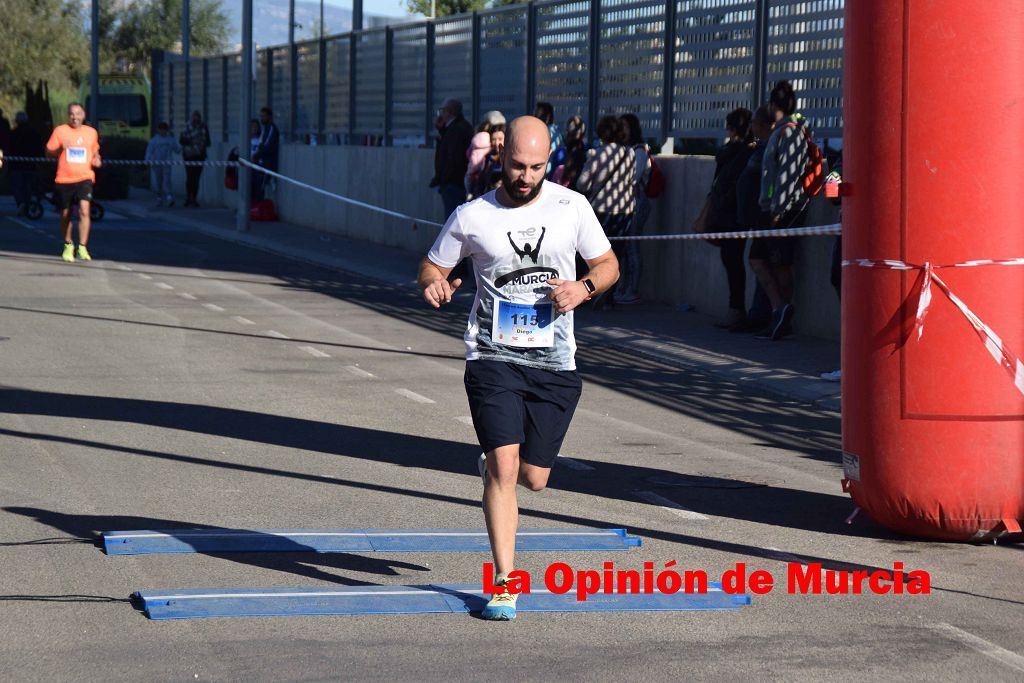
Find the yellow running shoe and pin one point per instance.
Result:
(83, 253)
(502, 606)
(69, 252)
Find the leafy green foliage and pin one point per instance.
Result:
(42, 40)
(444, 8)
(150, 25)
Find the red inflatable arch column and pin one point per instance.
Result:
(933, 429)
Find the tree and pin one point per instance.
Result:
(42, 40)
(444, 8)
(147, 25)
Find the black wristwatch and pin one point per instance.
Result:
(590, 287)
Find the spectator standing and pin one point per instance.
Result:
(194, 141)
(161, 150)
(255, 177)
(750, 215)
(450, 162)
(476, 155)
(567, 161)
(266, 152)
(25, 142)
(608, 178)
(783, 197)
(546, 113)
(730, 163)
(490, 175)
(629, 282)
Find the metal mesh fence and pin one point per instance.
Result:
(805, 46)
(503, 62)
(714, 64)
(563, 57)
(337, 86)
(307, 92)
(409, 84)
(370, 82)
(680, 65)
(453, 63)
(631, 53)
(215, 99)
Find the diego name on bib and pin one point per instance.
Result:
(515, 251)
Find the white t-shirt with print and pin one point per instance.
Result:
(515, 251)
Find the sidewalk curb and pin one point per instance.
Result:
(741, 374)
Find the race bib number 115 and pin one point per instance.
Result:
(527, 326)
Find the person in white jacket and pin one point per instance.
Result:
(162, 148)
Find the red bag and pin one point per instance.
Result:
(813, 180)
(263, 210)
(655, 182)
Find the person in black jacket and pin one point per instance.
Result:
(450, 160)
(266, 152)
(194, 140)
(25, 142)
(730, 160)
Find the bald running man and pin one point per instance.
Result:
(521, 377)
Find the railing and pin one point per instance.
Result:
(680, 65)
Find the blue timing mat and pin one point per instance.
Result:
(264, 602)
(355, 540)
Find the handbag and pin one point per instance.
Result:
(700, 224)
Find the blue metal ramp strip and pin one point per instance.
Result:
(144, 542)
(431, 599)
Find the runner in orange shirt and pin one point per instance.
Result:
(77, 149)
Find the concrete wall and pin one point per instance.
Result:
(674, 271)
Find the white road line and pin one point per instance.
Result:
(275, 333)
(186, 295)
(666, 504)
(124, 267)
(465, 419)
(314, 352)
(413, 396)
(242, 321)
(359, 372)
(163, 285)
(213, 307)
(1000, 654)
(573, 464)
(145, 277)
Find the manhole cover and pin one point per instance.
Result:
(699, 481)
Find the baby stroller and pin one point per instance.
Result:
(34, 211)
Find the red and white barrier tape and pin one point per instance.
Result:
(1001, 353)
(132, 162)
(833, 229)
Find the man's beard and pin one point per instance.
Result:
(513, 194)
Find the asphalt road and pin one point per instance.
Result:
(178, 380)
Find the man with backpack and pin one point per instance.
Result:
(785, 194)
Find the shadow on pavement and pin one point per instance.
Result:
(299, 560)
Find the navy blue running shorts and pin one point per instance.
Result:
(517, 404)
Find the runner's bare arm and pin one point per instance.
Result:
(603, 272)
(433, 280)
(96, 160)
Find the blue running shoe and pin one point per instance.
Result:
(502, 606)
